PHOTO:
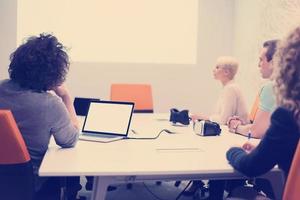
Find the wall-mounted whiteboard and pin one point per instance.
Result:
(116, 31)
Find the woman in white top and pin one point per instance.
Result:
(231, 101)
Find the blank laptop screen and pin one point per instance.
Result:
(106, 117)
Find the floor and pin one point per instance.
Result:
(144, 191)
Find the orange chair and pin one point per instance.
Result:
(140, 94)
(291, 190)
(16, 173)
(254, 109)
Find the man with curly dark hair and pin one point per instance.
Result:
(41, 104)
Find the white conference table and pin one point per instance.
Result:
(182, 155)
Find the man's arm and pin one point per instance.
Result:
(63, 120)
(258, 128)
(63, 93)
(260, 124)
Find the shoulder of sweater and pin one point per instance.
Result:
(232, 88)
(231, 84)
(282, 113)
(284, 117)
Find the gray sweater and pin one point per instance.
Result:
(38, 116)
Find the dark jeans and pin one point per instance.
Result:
(89, 182)
(51, 188)
(265, 186)
(217, 187)
(260, 184)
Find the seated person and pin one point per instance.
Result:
(231, 101)
(278, 145)
(261, 120)
(42, 105)
(267, 104)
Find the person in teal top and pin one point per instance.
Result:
(267, 98)
(267, 103)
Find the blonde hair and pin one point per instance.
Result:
(287, 73)
(229, 63)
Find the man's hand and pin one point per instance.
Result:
(233, 123)
(61, 91)
(198, 116)
(248, 147)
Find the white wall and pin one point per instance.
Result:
(226, 27)
(190, 87)
(151, 31)
(256, 21)
(8, 33)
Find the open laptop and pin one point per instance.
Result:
(107, 120)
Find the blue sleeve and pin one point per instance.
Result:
(267, 98)
(234, 156)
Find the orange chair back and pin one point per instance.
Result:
(12, 146)
(140, 94)
(254, 109)
(292, 190)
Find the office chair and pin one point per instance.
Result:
(82, 104)
(140, 94)
(16, 172)
(291, 190)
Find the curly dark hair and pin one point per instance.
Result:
(40, 64)
(288, 73)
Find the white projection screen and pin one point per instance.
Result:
(116, 31)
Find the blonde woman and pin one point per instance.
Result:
(231, 101)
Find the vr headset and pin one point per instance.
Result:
(200, 127)
(206, 128)
(177, 116)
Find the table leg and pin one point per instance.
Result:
(99, 187)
